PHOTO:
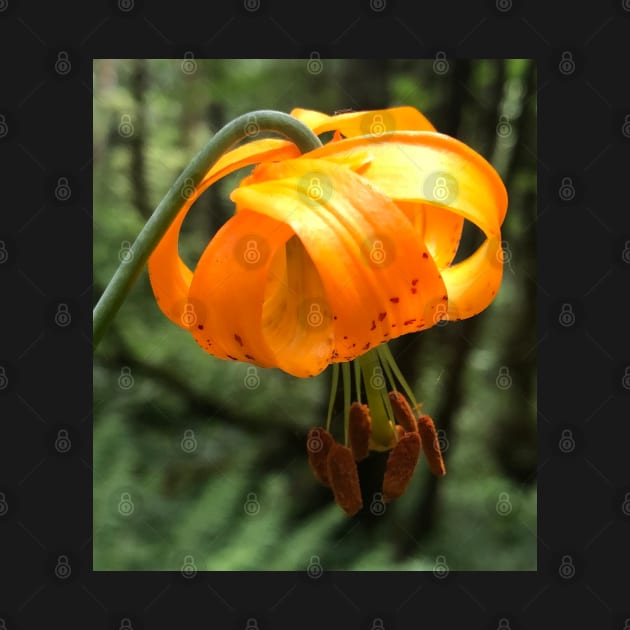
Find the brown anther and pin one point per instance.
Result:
(402, 412)
(431, 445)
(359, 430)
(401, 463)
(318, 443)
(344, 479)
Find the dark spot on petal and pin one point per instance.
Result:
(381, 316)
(354, 344)
(334, 317)
(414, 290)
(200, 326)
(414, 282)
(366, 346)
(229, 356)
(393, 325)
(425, 255)
(238, 340)
(394, 300)
(409, 322)
(386, 334)
(373, 325)
(345, 336)
(250, 357)
(445, 297)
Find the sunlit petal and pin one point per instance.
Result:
(372, 297)
(374, 122)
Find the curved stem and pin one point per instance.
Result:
(153, 230)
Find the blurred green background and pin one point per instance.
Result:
(193, 469)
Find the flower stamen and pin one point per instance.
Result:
(360, 429)
(344, 479)
(401, 464)
(431, 445)
(402, 412)
(318, 445)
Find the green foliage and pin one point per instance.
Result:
(216, 470)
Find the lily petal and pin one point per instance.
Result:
(370, 301)
(170, 277)
(410, 167)
(375, 122)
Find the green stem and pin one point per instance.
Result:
(357, 379)
(377, 398)
(347, 385)
(162, 217)
(333, 392)
(388, 358)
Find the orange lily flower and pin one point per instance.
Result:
(332, 253)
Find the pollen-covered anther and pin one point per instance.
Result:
(359, 430)
(318, 445)
(402, 412)
(401, 463)
(431, 445)
(344, 479)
